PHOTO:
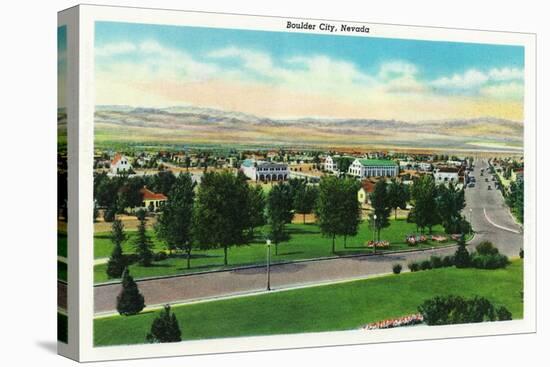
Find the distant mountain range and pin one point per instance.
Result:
(188, 125)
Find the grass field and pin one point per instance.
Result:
(305, 242)
(61, 244)
(62, 327)
(61, 271)
(342, 306)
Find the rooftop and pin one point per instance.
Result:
(377, 162)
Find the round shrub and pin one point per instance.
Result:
(486, 248)
(503, 314)
(159, 256)
(413, 266)
(109, 214)
(448, 261)
(397, 268)
(495, 261)
(426, 265)
(436, 262)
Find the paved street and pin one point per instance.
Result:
(491, 221)
(490, 216)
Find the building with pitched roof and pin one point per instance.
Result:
(120, 164)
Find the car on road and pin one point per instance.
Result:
(471, 184)
(486, 179)
(489, 187)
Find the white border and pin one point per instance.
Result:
(89, 14)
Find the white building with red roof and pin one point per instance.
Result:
(152, 200)
(120, 164)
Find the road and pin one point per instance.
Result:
(489, 216)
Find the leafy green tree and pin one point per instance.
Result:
(117, 261)
(279, 212)
(515, 199)
(165, 328)
(398, 196)
(329, 207)
(335, 209)
(142, 243)
(351, 209)
(129, 194)
(381, 205)
(218, 219)
(174, 224)
(129, 301)
(462, 258)
(163, 182)
(424, 194)
(106, 190)
(450, 202)
(343, 164)
(304, 200)
(255, 208)
(187, 163)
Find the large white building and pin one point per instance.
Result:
(265, 171)
(120, 164)
(446, 175)
(363, 168)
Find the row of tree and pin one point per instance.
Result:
(437, 204)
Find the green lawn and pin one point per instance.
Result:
(62, 328)
(61, 244)
(61, 271)
(305, 242)
(325, 308)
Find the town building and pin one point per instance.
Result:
(367, 187)
(120, 164)
(150, 200)
(446, 175)
(363, 168)
(265, 171)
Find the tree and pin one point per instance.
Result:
(117, 262)
(129, 194)
(255, 209)
(163, 182)
(351, 209)
(218, 216)
(343, 164)
(187, 163)
(515, 199)
(381, 205)
(462, 257)
(279, 212)
(165, 328)
(450, 202)
(335, 209)
(304, 200)
(142, 242)
(398, 196)
(129, 301)
(175, 222)
(423, 194)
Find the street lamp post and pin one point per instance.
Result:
(268, 245)
(471, 221)
(374, 233)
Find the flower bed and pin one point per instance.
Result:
(378, 244)
(414, 319)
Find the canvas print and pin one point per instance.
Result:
(62, 185)
(251, 182)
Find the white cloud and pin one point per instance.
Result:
(113, 49)
(397, 69)
(506, 91)
(506, 74)
(462, 82)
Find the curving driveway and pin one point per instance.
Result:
(491, 221)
